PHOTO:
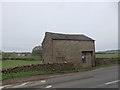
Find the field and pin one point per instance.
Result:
(107, 55)
(14, 63)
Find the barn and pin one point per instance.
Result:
(68, 48)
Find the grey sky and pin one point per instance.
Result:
(24, 24)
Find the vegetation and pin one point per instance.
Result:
(37, 51)
(25, 74)
(5, 54)
(107, 55)
(14, 63)
(24, 60)
(37, 60)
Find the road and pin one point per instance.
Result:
(99, 78)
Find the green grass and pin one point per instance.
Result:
(13, 63)
(92, 68)
(108, 55)
(25, 74)
(37, 58)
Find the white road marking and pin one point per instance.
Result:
(97, 69)
(112, 82)
(22, 84)
(43, 81)
(4, 86)
(49, 86)
(1, 87)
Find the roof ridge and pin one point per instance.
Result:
(64, 33)
(60, 36)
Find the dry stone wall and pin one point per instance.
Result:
(41, 67)
(55, 66)
(102, 61)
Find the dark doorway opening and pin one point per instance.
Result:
(86, 56)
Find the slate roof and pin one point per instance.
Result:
(81, 37)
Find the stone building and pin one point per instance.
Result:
(64, 48)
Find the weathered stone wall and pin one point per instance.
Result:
(47, 48)
(71, 51)
(41, 67)
(102, 61)
(56, 66)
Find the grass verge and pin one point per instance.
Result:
(25, 74)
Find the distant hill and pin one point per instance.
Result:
(109, 51)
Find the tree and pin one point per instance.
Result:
(5, 54)
(37, 51)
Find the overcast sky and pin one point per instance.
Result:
(23, 24)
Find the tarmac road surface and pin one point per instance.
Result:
(99, 78)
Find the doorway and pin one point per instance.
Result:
(87, 58)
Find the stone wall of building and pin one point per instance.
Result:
(47, 48)
(71, 51)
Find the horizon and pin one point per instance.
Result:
(31, 51)
(24, 24)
